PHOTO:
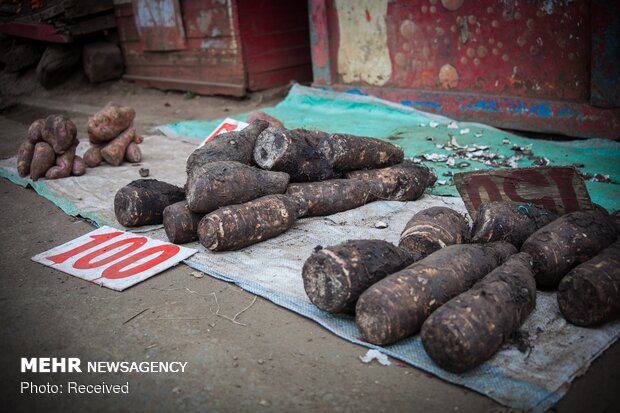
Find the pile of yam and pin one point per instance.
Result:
(48, 151)
(247, 186)
(112, 137)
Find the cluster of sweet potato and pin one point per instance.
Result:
(49, 150)
(112, 137)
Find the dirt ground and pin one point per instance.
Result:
(279, 361)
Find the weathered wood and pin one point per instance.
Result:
(558, 189)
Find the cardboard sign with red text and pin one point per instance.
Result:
(113, 258)
(557, 188)
(227, 125)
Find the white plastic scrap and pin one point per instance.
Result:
(435, 157)
(380, 225)
(478, 134)
(375, 355)
(453, 125)
(464, 131)
(433, 124)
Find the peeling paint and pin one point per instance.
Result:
(363, 53)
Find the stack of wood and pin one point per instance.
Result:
(247, 186)
(466, 298)
(112, 137)
(49, 150)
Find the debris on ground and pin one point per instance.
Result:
(375, 355)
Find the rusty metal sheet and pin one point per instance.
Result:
(559, 189)
(160, 24)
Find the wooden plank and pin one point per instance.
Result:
(255, 45)
(265, 80)
(278, 59)
(206, 20)
(557, 188)
(127, 30)
(199, 87)
(160, 24)
(213, 74)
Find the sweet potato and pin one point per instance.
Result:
(509, 221)
(114, 152)
(59, 132)
(335, 277)
(329, 197)
(133, 153)
(589, 295)
(142, 202)
(79, 167)
(472, 326)
(566, 242)
(218, 184)
(289, 151)
(432, 229)
(42, 160)
(237, 226)
(230, 146)
(109, 122)
(35, 131)
(260, 115)
(24, 157)
(180, 223)
(64, 164)
(396, 307)
(349, 153)
(92, 156)
(403, 182)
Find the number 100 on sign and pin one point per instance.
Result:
(113, 258)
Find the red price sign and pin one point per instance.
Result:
(227, 125)
(112, 258)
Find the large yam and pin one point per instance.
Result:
(403, 182)
(396, 307)
(142, 202)
(589, 295)
(64, 164)
(471, 327)
(109, 122)
(329, 197)
(237, 226)
(230, 146)
(509, 221)
(59, 132)
(349, 153)
(181, 224)
(114, 152)
(432, 229)
(218, 184)
(42, 159)
(92, 156)
(334, 277)
(289, 151)
(566, 242)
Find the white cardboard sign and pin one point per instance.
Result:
(113, 258)
(227, 125)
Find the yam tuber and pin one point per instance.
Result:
(42, 160)
(24, 157)
(142, 202)
(35, 131)
(180, 223)
(289, 151)
(109, 122)
(589, 295)
(335, 277)
(79, 167)
(64, 164)
(396, 307)
(114, 152)
(230, 146)
(133, 153)
(509, 221)
(260, 115)
(218, 184)
(92, 156)
(471, 327)
(349, 153)
(329, 197)
(432, 229)
(566, 242)
(403, 182)
(237, 226)
(59, 132)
